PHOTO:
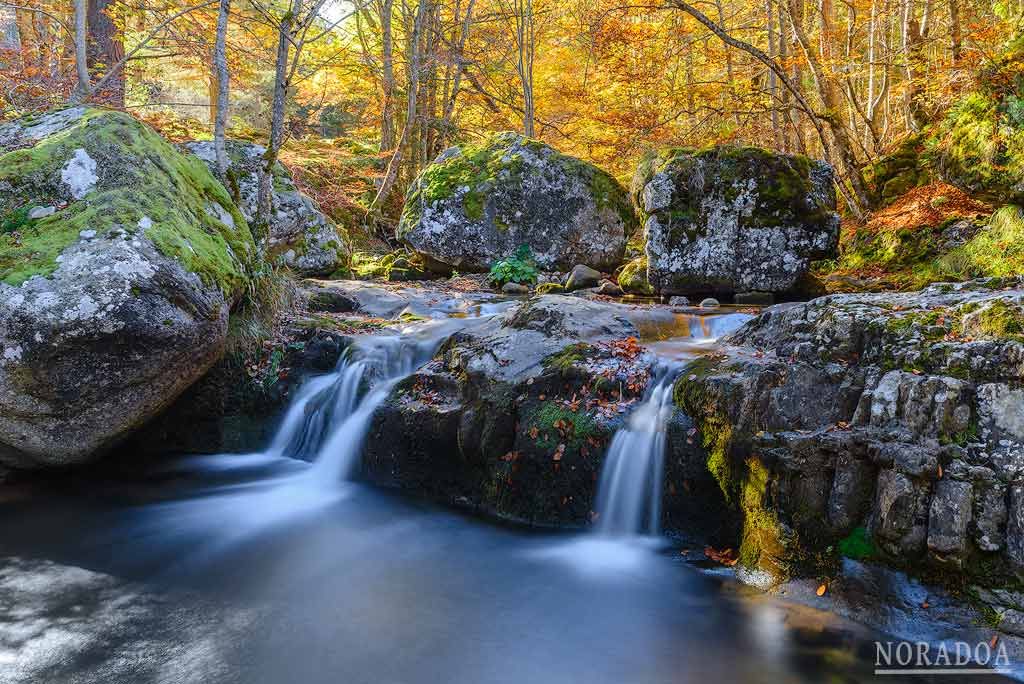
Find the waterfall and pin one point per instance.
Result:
(329, 418)
(629, 493)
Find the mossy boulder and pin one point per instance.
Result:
(727, 219)
(117, 274)
(633, 277)
(301, 236)
(476, 204)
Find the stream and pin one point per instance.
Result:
(273, 567)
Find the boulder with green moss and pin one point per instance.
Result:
(728, 219)
(301, 237)
(477, 204)
(890, 426)
(120, 259)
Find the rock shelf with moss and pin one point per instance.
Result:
(478, 203)
(882, 427)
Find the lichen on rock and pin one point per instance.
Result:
(301, 236)
(118, 299)
(733, 219)
(478, 203)
(887, 426)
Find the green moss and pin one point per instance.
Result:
(576, 427)
(549, 288)
(996, 251)
(762, 543)
(141, 175)
(858, 545)
(633, 277)
(570, 355)
(998, 320)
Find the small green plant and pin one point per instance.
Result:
(518, 268)
(15, 221)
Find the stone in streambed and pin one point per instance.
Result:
(581, 277)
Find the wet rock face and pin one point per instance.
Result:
(477, 204)
(512, 417)
(117, 300)
(301, 237)
(887, 426)
(734, 219)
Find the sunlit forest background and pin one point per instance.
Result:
(391, 83)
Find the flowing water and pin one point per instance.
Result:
(265, 568)
(629, 493)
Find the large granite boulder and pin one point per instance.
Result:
(728, 219)
(477, 204)
(887, 427)
(301, 237)
(120, 259)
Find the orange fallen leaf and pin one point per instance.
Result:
(995, 639)
(724, 557)
(821, 590)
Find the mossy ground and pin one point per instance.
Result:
(140, 175)
(904, 246)
(556, 423)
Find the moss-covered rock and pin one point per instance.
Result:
(734, 219)
(633, 277)
(478, 203)
(115, 284)
(301, 237)
(876, 426)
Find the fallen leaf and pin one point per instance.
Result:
(821, 590)
(724, 557)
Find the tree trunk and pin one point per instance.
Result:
(524, 67)
(105, 49)
(391, 173)
(387, 119)
(220, 66)
(281, 70)
(955, 40)
(81, 52)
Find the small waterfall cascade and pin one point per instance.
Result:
(328, 420)
(629, 493)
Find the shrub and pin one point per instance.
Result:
(518, 268)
